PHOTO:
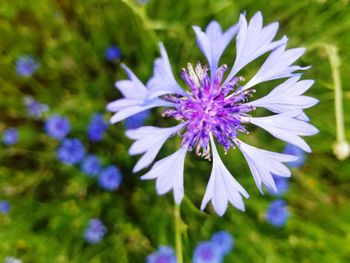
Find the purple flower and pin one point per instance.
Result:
(26, 66)
(34, 108)
(113, 53)
(164, 254)
(57, 127)
(277, 213)
(91, 165)
(296, 151)
(71, 151)
(224, 241)
(4, 207)
(207, 252)
(218, 108)
(95, 231)
(110, 178)
(10, 136)
(282, 184)
(97, 128)
(137, 120)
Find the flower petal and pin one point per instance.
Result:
(222, 187)
(163, 81)
(287, 128)
(213, 42)
(263, 164)
(253, 40)
(168, 173)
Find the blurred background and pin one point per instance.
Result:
(76, 199)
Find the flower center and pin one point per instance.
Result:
(210, 108)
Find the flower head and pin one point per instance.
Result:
(26, 66)
(4, 207)
(110, 178)
(207, 252)
(112, 53)
(97, 128)
(57, 127)
(10, 136)
(299, 153)
(282, 184)
(137, 120)
(71, 151)
(277, 213)
(91, 165)
(164, 254)
(34, 108)
(95, 231)
(224, 241)
(217, 107)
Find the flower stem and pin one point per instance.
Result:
(178, 239)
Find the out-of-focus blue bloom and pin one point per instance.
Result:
(95, 231)
(71, 151)
(57, 127)
(142, 2)
(34, 108)
(12, 260)
(10, 136)
(137, 120)
(164, 254)
(4, 207)
(277, 213)
(110, 178)
(282, 184)
(113, 53)
(91, 165)
(296, 151)
(26, 66)
(207, 252)
(224, 241)
(97, 128)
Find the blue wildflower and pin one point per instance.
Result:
(282, 184)
(113, 53)
(137, 120)
(71, 151)
(4, 207)
(296, 151)
(57, 127)
(207, 252)
(110, 178)
(91, 165)
(164, 254)
(10, 136)
(12, 260)
(277, 213)
(217, 107)
(95, 231)
(142, 2)
(224, 241)
(34, 108)
(26, 66)
(97, 128)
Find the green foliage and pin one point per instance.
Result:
(52, 203)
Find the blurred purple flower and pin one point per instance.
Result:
(57, 127)
(26, 66)
(112, 53)
(282, 184)
(207, 252)
(97, 128)
(34, 108)
(4, 207)
(10, 136)
(110, 178)
(91, 165)
(296, 151)
(95, 231)
(224, 241)
(164, 254)
(277, 213)
(137, 120)
(71, 151)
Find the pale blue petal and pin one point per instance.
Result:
(222, 187)
(163, 81)
(168, 173)
(132, 88)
